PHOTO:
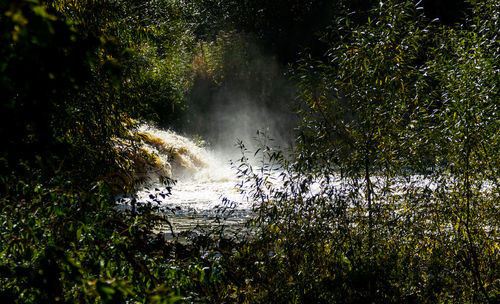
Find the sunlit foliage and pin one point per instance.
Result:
(390, 195)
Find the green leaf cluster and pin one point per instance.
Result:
(392, 191)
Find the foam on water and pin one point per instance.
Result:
(204, 181)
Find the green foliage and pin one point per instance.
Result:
(284, 28)
(390, 196)
(67, 245)
(65, 123)
(60, 93)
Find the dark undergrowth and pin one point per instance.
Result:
(390, 194)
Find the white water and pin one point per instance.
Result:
(205, 186)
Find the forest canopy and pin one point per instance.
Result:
(389, 192)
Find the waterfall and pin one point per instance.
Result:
(186, 160)
(204, 182)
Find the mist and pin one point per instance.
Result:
(248, 92)
(238, 116)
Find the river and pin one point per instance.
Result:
(205, 184)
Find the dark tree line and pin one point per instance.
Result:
(390, 194)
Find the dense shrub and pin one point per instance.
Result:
(389, 196)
